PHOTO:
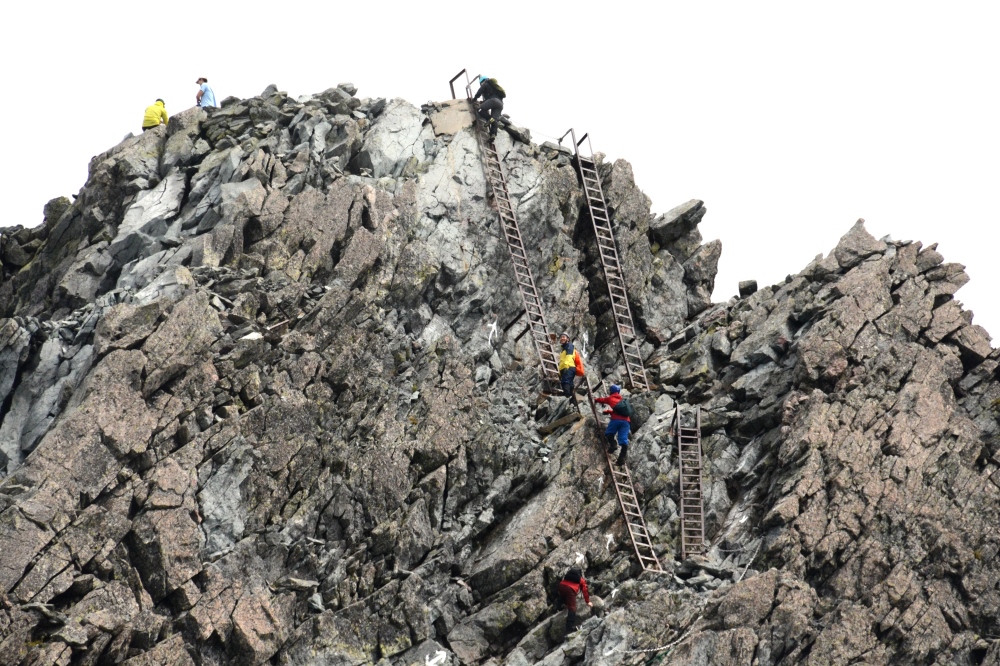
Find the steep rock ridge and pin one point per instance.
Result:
(267, 398)
(852, 413)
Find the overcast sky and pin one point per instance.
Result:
(789, 119)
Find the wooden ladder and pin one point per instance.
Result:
(628, 337)
(628, 500)
(692, 509)
(518, 256)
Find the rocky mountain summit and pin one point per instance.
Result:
(267, 399)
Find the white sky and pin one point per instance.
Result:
(789, 119)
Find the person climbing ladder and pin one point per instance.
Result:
(492, 105)
(619, 423)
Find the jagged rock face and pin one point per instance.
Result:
(855, 409)
(266, 396)
(267, 400)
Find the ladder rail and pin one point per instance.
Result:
(600, 218)
(628, 500)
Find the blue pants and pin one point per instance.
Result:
(567, 377)
(621, 428)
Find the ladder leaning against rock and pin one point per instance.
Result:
(628, 500)
(692, 508)
(512, 234)
(600, 216)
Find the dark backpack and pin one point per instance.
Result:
(574, 575)
(501, 93)
(623, 408)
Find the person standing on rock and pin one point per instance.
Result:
(567, 366)
(619, 422)
(206, 96)
(492, 105)
(155, 114)
(569, 587)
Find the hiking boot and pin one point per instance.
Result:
(621, 457)
(612, 444)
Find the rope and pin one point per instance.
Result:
(547, 136)
(661, 648)
(752, 557)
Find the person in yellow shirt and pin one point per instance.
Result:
(567, 366)
(155, 114)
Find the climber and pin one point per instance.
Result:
(567, 366)
(492, 105)
(619, 423)
(155, 114)
(571, 585)
(206, 96)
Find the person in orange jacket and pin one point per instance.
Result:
(619, 425)
(569, 587)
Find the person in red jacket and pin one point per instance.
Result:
(571, 585)
(618, 426)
